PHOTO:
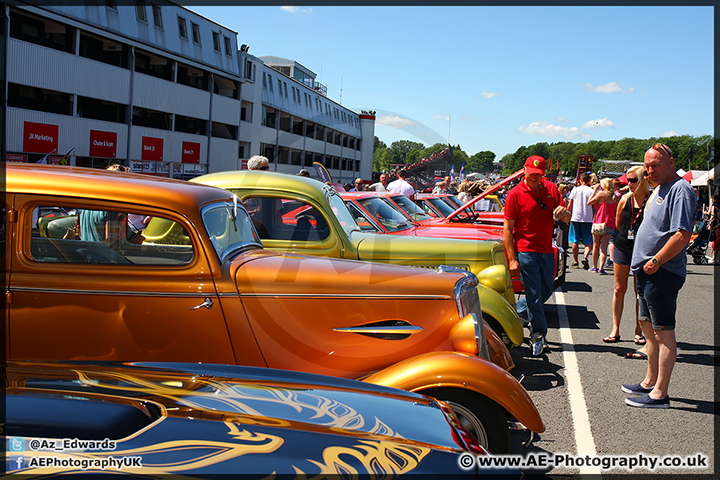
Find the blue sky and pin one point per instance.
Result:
(498, 78)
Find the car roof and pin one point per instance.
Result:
(108, 185)
(263, 180)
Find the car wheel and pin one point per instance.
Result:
(480, 416)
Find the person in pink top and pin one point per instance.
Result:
(606, 204)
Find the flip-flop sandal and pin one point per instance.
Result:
(639, 340)
(636, 354)
(611, 339)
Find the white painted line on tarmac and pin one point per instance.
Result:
(584, 441)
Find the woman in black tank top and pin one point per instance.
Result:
(629, 215)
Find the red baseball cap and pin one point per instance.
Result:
(535, 164)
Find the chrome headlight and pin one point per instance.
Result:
(468, 301)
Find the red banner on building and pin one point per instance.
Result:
(190, 152)
(15, 157)
(103, 144)
(152, 148)
(40, 137)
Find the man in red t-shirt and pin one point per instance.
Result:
(531, 209)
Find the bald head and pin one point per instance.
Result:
(660, 164)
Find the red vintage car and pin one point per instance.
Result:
(371, 213)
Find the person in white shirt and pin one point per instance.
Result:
(380, 186)
(402, 186)
(581, 220)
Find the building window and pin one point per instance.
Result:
(192, 77)
(267, 150)
(285, 123)
(192, 125)
(248, 69)
(297, 126)
(225, 87)
(182, 28)
(195, 32)
(157, 16)
(140, 10)
(103, 50)
(270, 82)
(101, 109)
(216, 41)
(246, 111)
(268, 117)
(283, 155)
(41, 32)
(40, 99)
(280, 90)
(154, 65)
(223, 130)
(228, 46)
(145, 117)
(286, 92)
(264, 80)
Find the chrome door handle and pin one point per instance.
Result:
(208, 303)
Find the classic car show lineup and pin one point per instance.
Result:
(109, 266)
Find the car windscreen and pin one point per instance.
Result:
(410, 208)
(229, 227)
(337, 205)
(440, 206)
(384, 214)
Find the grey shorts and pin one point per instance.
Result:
(658, 297)
(621, 257)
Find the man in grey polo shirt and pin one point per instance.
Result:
(660, 263)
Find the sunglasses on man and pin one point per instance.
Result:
(660, 147)
(263, 168)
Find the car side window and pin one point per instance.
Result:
(62, 234)
(286, 219)
(365, 224)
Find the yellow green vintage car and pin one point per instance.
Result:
(279, 203)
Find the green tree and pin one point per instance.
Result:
(381, 160)
(413, 156)
(377, 144)
(481, 162)
(399, 150)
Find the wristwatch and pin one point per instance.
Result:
(655, 261)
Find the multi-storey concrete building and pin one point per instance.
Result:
(165, 91)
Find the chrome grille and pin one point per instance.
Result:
(468, 301)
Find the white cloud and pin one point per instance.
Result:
(442, 118)
(561, 119)
(611, 87)
(671, 133)
(547, 129)
(489, 94)
(291, 9)
(599, 123)
(394, 121)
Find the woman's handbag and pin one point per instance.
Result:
(599, 229)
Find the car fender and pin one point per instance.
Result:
(460, 370)
(493, 304)
(499, 354)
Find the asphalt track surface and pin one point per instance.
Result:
(576, 386)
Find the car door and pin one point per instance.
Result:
(136, 285)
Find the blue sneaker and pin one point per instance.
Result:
(648, 402)
(636, 388)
